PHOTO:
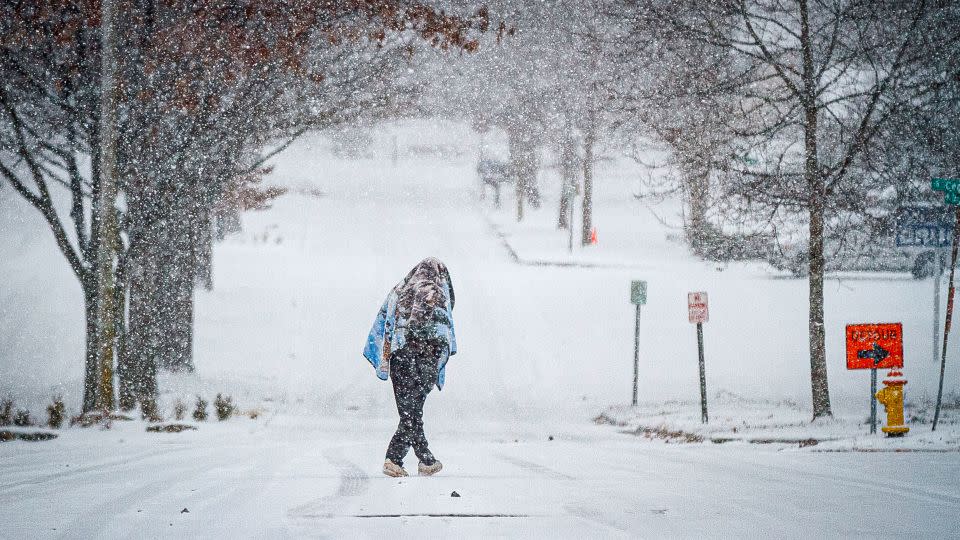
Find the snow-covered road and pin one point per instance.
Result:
(296, 476)
(543, 350)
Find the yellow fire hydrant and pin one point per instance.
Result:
(891, 397)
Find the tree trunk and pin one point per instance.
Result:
(520, 191)
(203, 248)
(817, 264)
(175, 292)
(120, 316)
(91, 357)
(567, 176)
(137, 366)
(132, 351)
(516, 167)
(817, 201)
(98, 355)
(698, 187)
(108, 230)
(524, 163)
(818, 361)
(181, 342)
(587, 204)
(563, 217)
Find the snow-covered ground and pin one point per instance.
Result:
(308, 476)
(782, 424)
(544, 349)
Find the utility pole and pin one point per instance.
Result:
(949, 318)
(937, 277)
(106, 205)
(951, 190)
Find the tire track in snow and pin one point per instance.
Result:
(579, 511)
(353, 482)
(95, 467)
(597, 517)
(94, 519)
(535, 468)
(781, 473)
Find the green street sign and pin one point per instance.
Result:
(638, 292)
(947, 185)
(950, 188)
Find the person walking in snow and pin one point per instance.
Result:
(410, 342)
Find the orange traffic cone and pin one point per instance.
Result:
(593, 235)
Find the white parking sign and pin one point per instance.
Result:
(697, 307)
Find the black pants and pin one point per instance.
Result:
(413, 370)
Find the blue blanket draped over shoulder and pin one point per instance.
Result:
(387, 328)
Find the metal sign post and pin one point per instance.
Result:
(951, 189)
(874, 346)
(936, 304)
(638, 297)
(919, 229)
(878, 354)
(948, 320)
(873, 400)
(699, 313)
(704, 417)
(570, 226)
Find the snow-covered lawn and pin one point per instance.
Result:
(783, 424)
(543, 351)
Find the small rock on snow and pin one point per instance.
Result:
(454, 494)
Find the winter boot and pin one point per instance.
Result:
(392, 469)
(429, 470)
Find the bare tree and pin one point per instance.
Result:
(203, 88)
(814, 83)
